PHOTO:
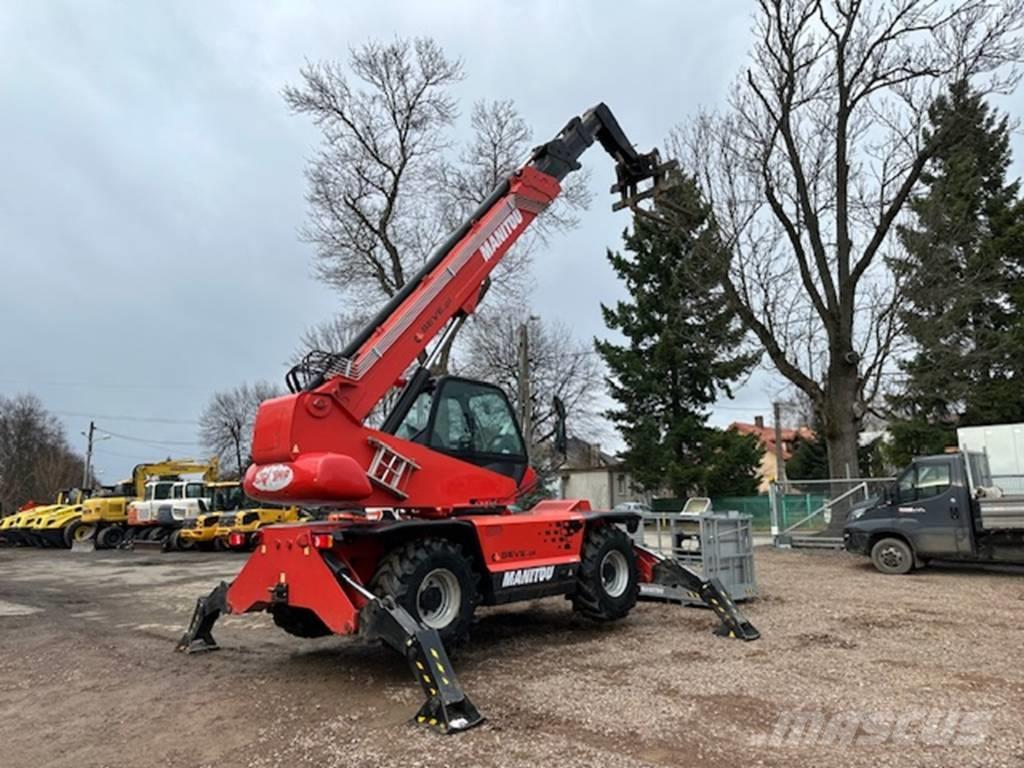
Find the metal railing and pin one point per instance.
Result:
(834, 495)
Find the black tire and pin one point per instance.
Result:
(220, 544)
(175, 543)
(301, 622)
(87, 531)
(608, 581)
(71, 534)
(110, 537)
(421, 576)
(892, 556)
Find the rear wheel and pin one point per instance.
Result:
(892, 556)
(110, 538)
(177, 543)
(434, 581)
(608, 582)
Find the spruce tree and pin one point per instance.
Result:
(681, 351)
(961, 267)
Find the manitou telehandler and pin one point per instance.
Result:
(450, 457)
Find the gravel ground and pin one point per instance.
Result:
(853, 669)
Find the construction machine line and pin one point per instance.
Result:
(108, 522)
(450, 458)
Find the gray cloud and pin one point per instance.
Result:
(152, 183)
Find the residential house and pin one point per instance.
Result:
(768, 470)
(590, 473)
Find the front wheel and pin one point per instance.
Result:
(110, 538)
(608, 581)
(434, 581)
(892, 556)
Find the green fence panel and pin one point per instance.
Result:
(792, 508)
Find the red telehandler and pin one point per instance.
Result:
(450, 459)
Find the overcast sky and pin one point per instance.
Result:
(151, 184)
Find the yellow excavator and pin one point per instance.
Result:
(104, 523)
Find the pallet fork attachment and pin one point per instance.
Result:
(673, 575)
(447, 708)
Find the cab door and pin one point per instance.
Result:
(928, 498)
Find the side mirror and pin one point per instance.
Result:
(561, 439)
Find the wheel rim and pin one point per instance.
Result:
(614, 573)
(439, 598)
(891, 557)
(83, 533)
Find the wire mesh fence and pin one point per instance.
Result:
(809, 506)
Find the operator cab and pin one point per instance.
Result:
(469, 420)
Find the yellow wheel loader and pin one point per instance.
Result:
(201, 531)
(239, 529)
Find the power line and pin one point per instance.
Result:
(100, 385)
(153, 443)
(143, 419)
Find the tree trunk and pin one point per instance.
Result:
(841, 423)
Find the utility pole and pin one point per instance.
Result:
(780, 464)
(525, 406)
(88, 454)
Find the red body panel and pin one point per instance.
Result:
(542, 536)
(439, 481)
(285, 556)
(551, 534)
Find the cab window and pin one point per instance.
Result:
(474, 418)
(932, 479)
(496, 430)
(923, 481)
(414, 423)
(195, 491)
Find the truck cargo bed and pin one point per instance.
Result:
(1002, 514)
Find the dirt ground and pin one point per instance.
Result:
(854, 669)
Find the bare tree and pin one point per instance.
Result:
(559, 365)
(331, 335)
(821, 147)
(35, 459)
(225, 426)
(387, 184)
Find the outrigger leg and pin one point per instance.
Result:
(448, 708)
(668, 574)
(199, 635)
